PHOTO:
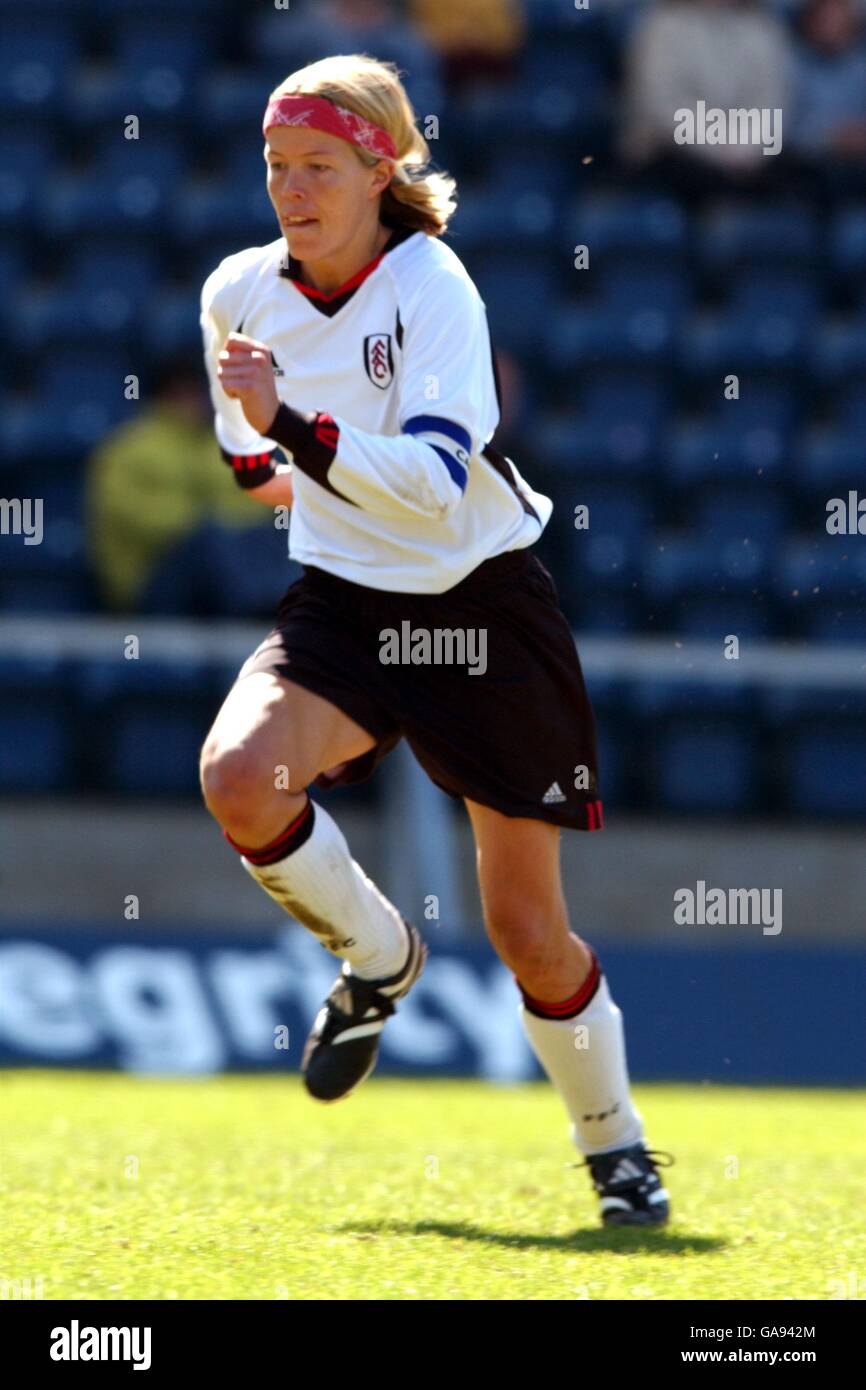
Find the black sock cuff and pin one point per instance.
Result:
(296, 833)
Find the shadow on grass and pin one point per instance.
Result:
(617, 1240)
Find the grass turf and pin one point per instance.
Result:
(242, 1188)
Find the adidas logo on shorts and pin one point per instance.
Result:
(553, 793)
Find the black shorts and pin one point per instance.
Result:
(504, 720)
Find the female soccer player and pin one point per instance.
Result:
(358, 343)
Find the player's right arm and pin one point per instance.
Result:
(257, 465)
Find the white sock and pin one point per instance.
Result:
(320, 884)
(584, 1057)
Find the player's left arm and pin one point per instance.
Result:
(424, 470)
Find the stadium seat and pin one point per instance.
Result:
(51, 576)
(818, 750)
(487, 215)
(39, 52)
(37, 725)
(826, 462)
(630, 225)
(241, 209)
(181, 44)
(839, 350)
(723, 513)
(504, 283)
(820, 583)
(80, 396)
(605, 554)
(579, 335)
(701, 746)
(25, 157)
(612, 430)
(715, 343)
(736, 235)
(850, 403)
(695, 585)
(104, 291)
(151, 716)
(848, 245)
(764, 291)
(223, 571)
(714, 452)
(635, 287)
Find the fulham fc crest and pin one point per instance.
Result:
(378, 360)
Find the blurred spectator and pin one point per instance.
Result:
(829, 126)
(479, 40)
(314, 29)
(728, 54)
(153, 482)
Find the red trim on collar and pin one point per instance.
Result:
(312, 293)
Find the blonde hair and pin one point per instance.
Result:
(416, 197)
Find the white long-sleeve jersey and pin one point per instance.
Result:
(410, 495)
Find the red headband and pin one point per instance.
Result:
(320, 114)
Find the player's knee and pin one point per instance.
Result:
(234, 782)
(522, 937)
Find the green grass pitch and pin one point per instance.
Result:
(242, 1188)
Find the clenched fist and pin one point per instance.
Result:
(246, 374)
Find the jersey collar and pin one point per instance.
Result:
(329, 304)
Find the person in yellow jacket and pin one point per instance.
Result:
(153, 482)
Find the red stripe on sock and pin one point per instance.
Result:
(263, 852)
(567, 1008)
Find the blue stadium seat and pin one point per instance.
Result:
(25, 157)
(701, 746)
(749, 619)
(49, 575)
(840, 350)
(848, 243)
(614, 428)
(151, 716)
(634, 286)
(80, 395)
(171, 326)
(633, 225)
(37, 725)
(503, 284)
(240, 209)
(765, 291)
(486, 216)
(13, 265)
(223, 571)
(820, 583)
(819, 750)
(614, 736)
(850, 403)
(738, 235)
(605, 554)
(714, 452)
(179, 43)
(104, 315)
(722, 513)
(716, 343)
(826, 462)
(39, 52)
(579, 335)
(704, 588)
